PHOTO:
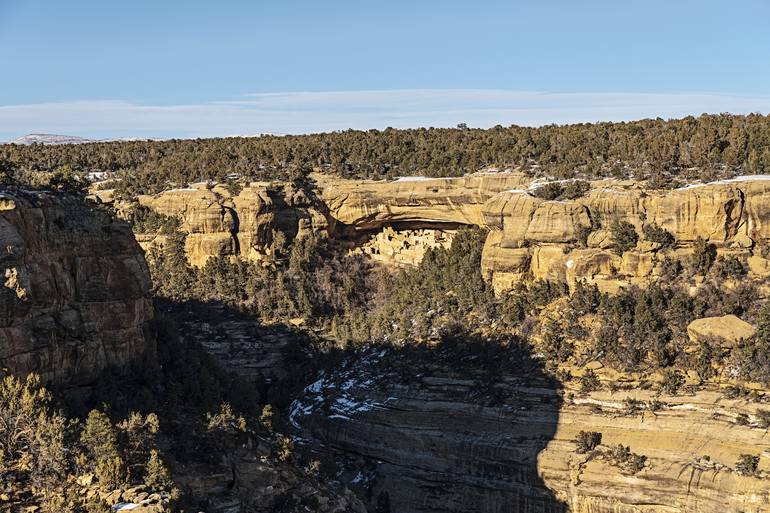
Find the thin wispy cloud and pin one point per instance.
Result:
(304, 112)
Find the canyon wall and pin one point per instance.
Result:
(440, 437)
(529, 237)
(236, 224)
(75, 299)
(442, 440)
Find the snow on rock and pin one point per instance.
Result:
(125, 506)
(413, 178)
(342, 394)
(737, 179)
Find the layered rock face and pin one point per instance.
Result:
(220, 222)
(240, 343)
(394, 222)
(530, 238)
(436, 442)
(367, 205)
(440, 440)
(75, 299)
(692, 445)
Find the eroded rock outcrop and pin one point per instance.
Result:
(569, 240)
(239, 224)
(725, 330)
(367, 205)
(75, 299)
(530, 238)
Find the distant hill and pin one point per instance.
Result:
(50, 139)
(54, 139)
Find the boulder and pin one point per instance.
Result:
(759, 266)
(726, 330)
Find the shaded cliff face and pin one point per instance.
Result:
(75, 297)
(440, 439)
(421, 434)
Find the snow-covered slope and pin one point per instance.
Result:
(50, 139)
(69, 139)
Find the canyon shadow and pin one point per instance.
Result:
(455, 426)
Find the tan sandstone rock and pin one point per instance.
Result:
(727, 329)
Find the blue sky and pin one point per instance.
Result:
(193, 68)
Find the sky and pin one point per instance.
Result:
(141, 68)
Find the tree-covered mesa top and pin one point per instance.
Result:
(706, 146)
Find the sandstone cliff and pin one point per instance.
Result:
(242, 224)
(75, 298)
(530, 238)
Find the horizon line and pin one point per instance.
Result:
(312, 112)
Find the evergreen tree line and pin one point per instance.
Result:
(708, 146)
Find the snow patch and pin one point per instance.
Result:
(342, 394)
(737, 179)
(413, 178)
(125, 506)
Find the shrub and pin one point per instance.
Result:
(582, 234)
(763, 418)
(670, 269)
(99, 436)
(747, 464)
(111, 472)
(266, 418)
(575, 189)
(226, 420)
(671, 382)
(555, 344)
(707, 356)
(588, 441)
(729, 267)
(703, 256)
(624, 236)
(735, 391)
(145, 220)
(589, 382)
(654, 233)
(156, 474)
(623, 457)
(284, 448)
(562, 190)
(32, 444)
(655, 405)
(632, 406)
(585, 298)
(636, 463)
